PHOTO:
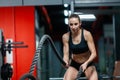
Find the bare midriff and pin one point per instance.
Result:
(82, 57)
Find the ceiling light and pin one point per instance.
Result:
(87, 17)
(66, 20)
(65, 5)
(66, 12)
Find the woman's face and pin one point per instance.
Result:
(74, 24)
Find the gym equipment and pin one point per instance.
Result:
(28, 76)
(1, 56)
(40, 45)
(6, 70)
(79, 74)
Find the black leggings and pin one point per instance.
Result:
(77, 65)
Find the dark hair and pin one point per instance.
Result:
(75, 16)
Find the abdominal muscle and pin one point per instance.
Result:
(81, 57)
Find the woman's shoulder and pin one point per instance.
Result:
(86, 32)
(66, 36)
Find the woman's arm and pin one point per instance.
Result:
(91, 46)
(65, 49)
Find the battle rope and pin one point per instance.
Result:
(43, 39)
(40, 45)
(28, 76)
(79, 74)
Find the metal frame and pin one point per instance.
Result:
(84, 78)
(78, 3)
(91, 3)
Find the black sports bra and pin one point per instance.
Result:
(78, 48)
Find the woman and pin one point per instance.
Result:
(79, 43)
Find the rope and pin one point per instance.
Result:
(40, 45)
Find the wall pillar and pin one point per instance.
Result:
(116, 21)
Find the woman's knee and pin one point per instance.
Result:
(70, 74)
(91, 73)
(93, 76)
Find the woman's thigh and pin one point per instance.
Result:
(70, 74)
(91, 73)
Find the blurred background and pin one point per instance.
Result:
(28, 21)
